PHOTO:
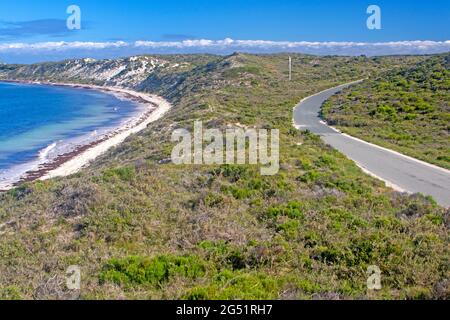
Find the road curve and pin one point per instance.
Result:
(400, 172)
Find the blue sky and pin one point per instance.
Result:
(37, 21)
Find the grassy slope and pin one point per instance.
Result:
(141, 229)
(406, 110)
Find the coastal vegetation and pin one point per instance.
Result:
(141, 227)
(407, 110)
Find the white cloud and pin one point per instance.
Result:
(63, 49)
(61, 45)
(264, 44)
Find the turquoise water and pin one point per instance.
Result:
(38, 122)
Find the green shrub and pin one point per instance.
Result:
(213, 200)
(348, 186)
(444, 158)
(327, 255)
(233, 172)
(310, 176)
(410, 116)
(435, 219)
(258, 184)
(292, 210)
(326, 160)
(307, 286)
(289, 228)
(418, 293)
(340, 217)
(124, 174)
(237, 72)
(387, 222)
(361, 252)
(235, 285)
(386, 110)
(10, 293)
(240, 193)
(219, 247)
(237, 259)
(424, 107)
(154, 271)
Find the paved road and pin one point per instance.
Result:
(398, 171)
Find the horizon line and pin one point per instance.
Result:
(20, 52)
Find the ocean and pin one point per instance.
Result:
(40, 122)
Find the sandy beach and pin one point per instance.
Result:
(154, 108)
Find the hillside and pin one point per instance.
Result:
(407, 110)
(143, 228)
(127, 72)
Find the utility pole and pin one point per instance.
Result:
(290, 68)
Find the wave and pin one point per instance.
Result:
(13, 174)
(44, 153)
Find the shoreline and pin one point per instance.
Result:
(154, 107)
